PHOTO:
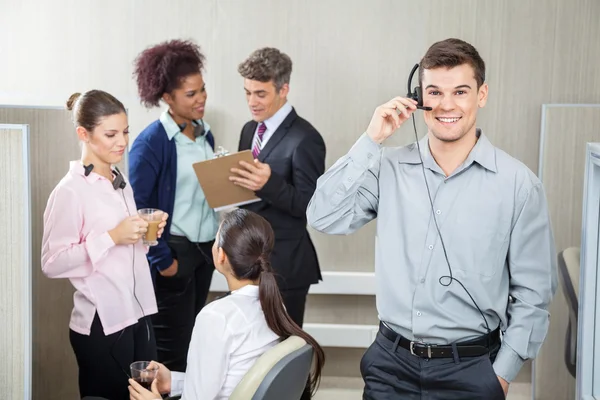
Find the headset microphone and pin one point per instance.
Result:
(417, 94)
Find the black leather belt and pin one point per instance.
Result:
(472, 348)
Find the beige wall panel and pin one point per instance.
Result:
(341, 310)
(566, 130)
(53, 144)
(14, 308)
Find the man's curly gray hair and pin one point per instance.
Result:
(267, 64)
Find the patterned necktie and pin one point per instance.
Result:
(258, 141)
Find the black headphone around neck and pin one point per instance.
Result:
(417, 94)
(118, 181)
(197, 132)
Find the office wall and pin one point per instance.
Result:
(349, 57)
(15, 288)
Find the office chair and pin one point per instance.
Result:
(568, 269)
(280, 373)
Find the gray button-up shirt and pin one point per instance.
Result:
(494, 221)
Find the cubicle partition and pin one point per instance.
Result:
(565, 130)
(15, 263)
(52, 143)
(588, 346)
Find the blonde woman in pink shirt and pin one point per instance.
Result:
(92, 235)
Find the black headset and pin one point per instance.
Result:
(197, 132)
(417, 94)
(118, 181)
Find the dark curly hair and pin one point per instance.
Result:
(159, 69)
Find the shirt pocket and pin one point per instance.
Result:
(479, 238)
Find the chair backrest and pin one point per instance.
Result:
(280, 373)
(568, 269)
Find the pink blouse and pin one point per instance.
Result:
(76, 245)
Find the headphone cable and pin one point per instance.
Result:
(134, 295)
(449, 277)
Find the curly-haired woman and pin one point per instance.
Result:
(162, 176)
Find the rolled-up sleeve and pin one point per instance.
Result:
(532, 262)
(65, 254)
(347, 195)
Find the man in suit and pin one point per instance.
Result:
(289, 158)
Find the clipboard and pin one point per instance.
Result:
(213, 176)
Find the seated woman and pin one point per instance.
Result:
(231, 333)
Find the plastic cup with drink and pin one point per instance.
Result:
(153, 217)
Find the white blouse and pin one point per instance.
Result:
(229, 335)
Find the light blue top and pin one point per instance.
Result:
(192, 216)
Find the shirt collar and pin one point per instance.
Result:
(483, 153)
(248, 290)
(171, 126)
(76, 167)
(277, 118)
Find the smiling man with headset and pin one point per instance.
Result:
(464, 248)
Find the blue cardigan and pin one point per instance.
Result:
(153, 174)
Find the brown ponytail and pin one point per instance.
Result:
(247, 239)
(280, 322)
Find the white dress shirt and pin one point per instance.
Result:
(229, 335)
(272, 124)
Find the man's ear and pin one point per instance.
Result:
(285, 90)
(482, 95)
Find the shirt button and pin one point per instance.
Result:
(349, 179)
(438, 212)
(422, 280)
(418, 313)
(430, 247)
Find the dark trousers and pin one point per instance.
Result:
(180, 298)
(392, 372)
(104, 360)
(294, 301)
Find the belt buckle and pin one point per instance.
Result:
(412, 349)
